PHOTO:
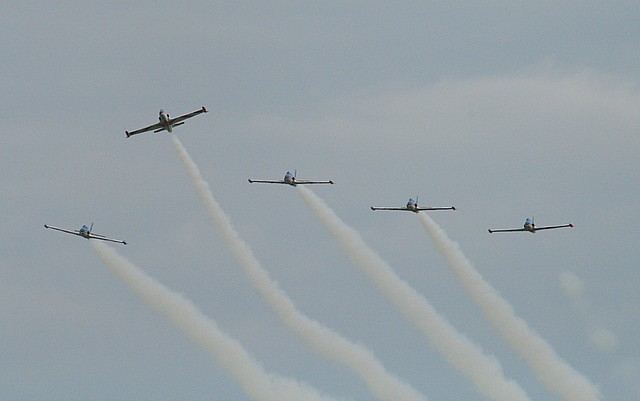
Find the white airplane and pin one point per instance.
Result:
(85, 232)
(412, 206)
(290, 179)
(529, 225)
(166, 123)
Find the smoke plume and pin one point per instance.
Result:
(229, 353)
(485, 372)
(547, 366)
(323, 340)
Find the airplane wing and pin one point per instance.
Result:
(62, 229)
(145, 129)
(307, 182)
(402, 209)
(297, 182)
(267, 181)
(188, 115)
(103, 238)
(551, 227)
(506, 230)
(420, 209)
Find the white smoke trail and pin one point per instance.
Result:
(256, 383)
(547, 366)
(383, 385)
(485, 372)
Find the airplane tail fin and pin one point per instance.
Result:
(91, 228)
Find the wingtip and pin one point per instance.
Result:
(127, 134)
(490, 231)
(571, 225)
(331, 182)
(204, 109)
(453, 208)
(373, 208)
(250, 181)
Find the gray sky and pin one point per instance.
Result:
(504, 109)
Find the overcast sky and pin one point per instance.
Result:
(504, 109)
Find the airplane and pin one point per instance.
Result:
(290, 179)
(529, 225)
(85, 232)
(412, 206)
(166, 123)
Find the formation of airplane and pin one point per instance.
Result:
(166, 123)
(412, 206)
(85, 232)
(290, 179)
(529, 225)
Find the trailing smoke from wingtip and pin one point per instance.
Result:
(382, 384)
(228, 352)
(553, 372)
(483, 371)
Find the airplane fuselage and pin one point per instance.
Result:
(412, 206)
(165, 120)
(85, 232)
(290, 179)
(530, 226)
